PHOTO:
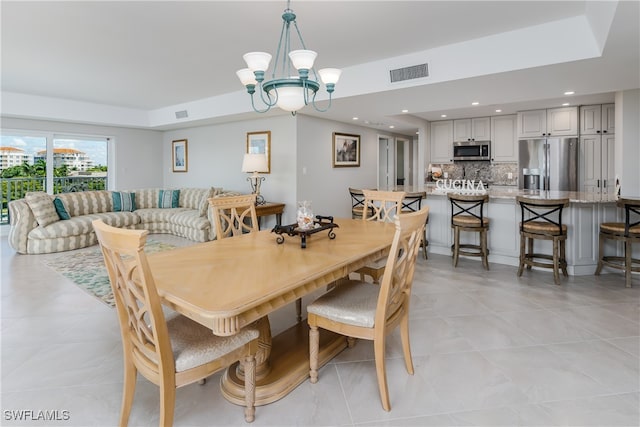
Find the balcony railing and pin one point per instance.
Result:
(16, 188)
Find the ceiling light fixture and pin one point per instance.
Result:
(569, 92)
(566, 104)
(475, 103)
(443, 115)
(498, 111)
(288, 92)
(405, 111)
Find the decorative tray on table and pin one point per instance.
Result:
(319, 224)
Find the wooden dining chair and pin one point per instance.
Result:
(360, 309)
(234, 215)
(169, 352)
(379, 206)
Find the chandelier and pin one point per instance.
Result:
(287, 91)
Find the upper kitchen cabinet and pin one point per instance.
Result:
(476, 129)
(597, 119)
(504, 141)
(552, 122)
(442, 141)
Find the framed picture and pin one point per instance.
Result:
(346, 150)
(179, 155)
(260, 143)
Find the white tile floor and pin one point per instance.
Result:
(488, 349)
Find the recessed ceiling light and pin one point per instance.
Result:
(355, 118)
(443, 115)
(391, 127)
(417, 133)
(475, 103)
(569, 92)
(566, 104)
(498, 111)
(405, 111)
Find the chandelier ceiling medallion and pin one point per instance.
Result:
(287, 91)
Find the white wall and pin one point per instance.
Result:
(628, 142)
(328, 187)
(137, 154)
(215, 155)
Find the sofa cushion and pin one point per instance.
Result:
(123, 201)
(87, 202)
(61, 209)
(42, 206)
(79, 225)
(147, 198)
(190, 218)
(168, 199)
(157, 214)
(196, 198)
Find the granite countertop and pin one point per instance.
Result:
(511, 192)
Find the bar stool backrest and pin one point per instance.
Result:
(357, 198)
(413, 201)
(469, 204)
(631, 209)
(542, 210)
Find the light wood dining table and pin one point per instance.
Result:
(230, 283)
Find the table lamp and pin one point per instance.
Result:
(255, 163)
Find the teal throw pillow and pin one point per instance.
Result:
(169, 199)
(61, 209)
(123, 201)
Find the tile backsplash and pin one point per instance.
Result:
(487, 172)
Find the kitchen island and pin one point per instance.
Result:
(583, 217)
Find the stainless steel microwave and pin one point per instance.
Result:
(472, 150)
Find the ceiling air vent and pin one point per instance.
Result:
(408, 73)
(182, 114)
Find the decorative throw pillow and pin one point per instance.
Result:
(61, 209)
(41, 205)
(123, 201)
(169, 199)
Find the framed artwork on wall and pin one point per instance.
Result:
(260, 143)
(346, 150)
(179, 155)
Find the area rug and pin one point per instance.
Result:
(85, 267)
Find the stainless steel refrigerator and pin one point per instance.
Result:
(548, 164)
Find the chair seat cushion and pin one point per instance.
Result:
(353, 302)
(543, 227)
(194, 344)
(618, 228)
(469, 221)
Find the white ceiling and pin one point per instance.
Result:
(150, 55)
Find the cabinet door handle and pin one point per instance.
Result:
(597, 131)
(604, 183)
(598, 181)
(604, 131)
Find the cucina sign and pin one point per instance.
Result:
(460, 186)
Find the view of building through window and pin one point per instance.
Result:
(78, 164)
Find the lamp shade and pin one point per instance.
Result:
(290, 98)
(247, 77)
(330, 75)
(257, 61)
(302, 59)
(254, 163)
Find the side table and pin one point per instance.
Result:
(270, 208)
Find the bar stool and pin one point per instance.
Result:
(413, 203)
(357, 203)
(467, 214)
(627, 232)
(542, 219)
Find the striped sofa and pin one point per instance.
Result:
(44, 232)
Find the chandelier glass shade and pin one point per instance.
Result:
(287, 91)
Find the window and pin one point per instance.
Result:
(51, 163)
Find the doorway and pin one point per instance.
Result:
(386, 162)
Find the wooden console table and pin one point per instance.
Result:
(270, 208)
